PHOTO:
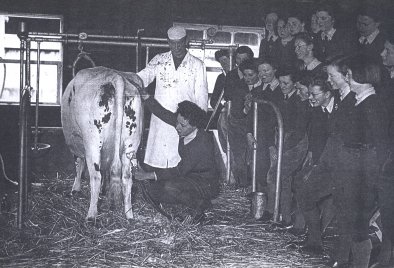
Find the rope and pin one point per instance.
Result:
(4, 174)
(82, 55)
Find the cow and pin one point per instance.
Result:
(102, 120)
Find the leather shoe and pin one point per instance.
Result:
(266, 217)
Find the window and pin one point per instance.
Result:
(50, 58)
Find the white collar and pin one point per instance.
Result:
(370, 38)
(364, 94)
(343, 92)
(312, 65)
(330, 105)
(240, 74)
(273, 84)
(258, 83)
(190, 137)
(329, 34)
(290, 94)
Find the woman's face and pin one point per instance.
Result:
(336, 79)
(317, 97)
(283, 29)
(286, 84)
(266, 73)
(251, 77)
(301, 49)
(295, 25)
(314, 25)
(302, 91)
(324, 20)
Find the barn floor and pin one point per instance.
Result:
(56, 233)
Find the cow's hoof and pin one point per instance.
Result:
(131, 221)
(93, 222)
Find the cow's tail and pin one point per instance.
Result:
(115, 191)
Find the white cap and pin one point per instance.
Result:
(176, 33)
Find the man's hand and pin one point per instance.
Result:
(273, 153)
(307, 160)
(252, 142)
(143, 93)
(248, 103)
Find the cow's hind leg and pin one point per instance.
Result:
(93, 164)
(128, 163)
(79, 167)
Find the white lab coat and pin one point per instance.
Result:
(188, 82)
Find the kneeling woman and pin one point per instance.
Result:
(194, 181)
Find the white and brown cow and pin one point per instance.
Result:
(102, 119)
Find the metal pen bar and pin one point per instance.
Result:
(254, 162)
(280, 150)
(97, 36)
(215, 109)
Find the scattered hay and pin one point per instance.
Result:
(56, 234)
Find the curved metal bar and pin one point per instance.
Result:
(280, 151)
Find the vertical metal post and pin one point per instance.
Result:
(138, 50)
(228, 109)
(147, 56)
(254, 164)
(23, 102)
(37, 95)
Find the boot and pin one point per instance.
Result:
(312, 220)
(361, 253)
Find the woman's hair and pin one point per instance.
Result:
(193, 113)
(249, 64)
(270, 62)
(220, 53)
(320, 82)
(365, 70)
(304, 36)
(245, 50)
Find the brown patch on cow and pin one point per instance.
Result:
(98, 124)
(96, 167)
(108, 94)
(106, 118)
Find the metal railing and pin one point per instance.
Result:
(280, 150)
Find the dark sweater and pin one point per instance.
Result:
(374, 49)
(235, 90)
(295, 120)
(373, 125)
(342, 43)
(269, 50)
(197, 157)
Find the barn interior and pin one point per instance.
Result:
(126, 18)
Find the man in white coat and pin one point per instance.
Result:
(179, 76)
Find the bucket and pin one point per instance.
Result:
(258, 205)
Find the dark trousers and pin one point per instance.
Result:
(238, 146)
(291, 160)
(194, 193)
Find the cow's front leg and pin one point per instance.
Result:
(93, 163)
